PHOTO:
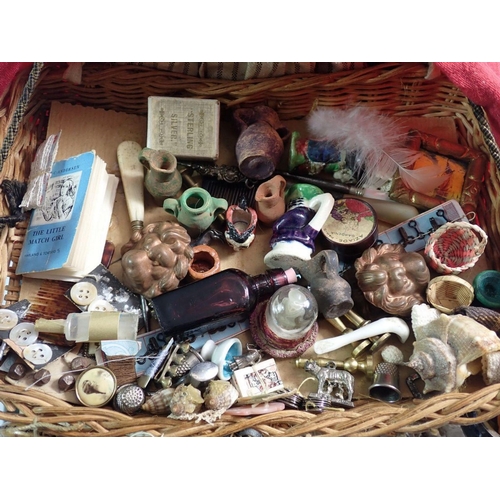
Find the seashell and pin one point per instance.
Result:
(469, 339)
(491, 368)
(487, 317)
(425, 322)
(436, 364)
(392, 354)
(159, 402)
(186, 400)
(220, 395)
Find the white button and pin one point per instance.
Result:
(24, 334)
(101, 305)
(38, 354)
(83, 293)
(8, 319)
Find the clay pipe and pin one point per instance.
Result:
(383, 325)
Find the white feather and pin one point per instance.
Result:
(377, 142)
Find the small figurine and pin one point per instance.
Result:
(294, 233)
(335, 386)
(241, 222)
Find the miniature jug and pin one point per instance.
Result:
(162, 179)
(196, 209)
(270, 200)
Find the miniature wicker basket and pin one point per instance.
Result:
(396, 89)
(455, 247)
(446, 293)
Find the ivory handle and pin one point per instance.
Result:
(132, 175)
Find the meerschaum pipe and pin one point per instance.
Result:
(383, 325)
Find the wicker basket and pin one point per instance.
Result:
(455, 247)
(399, 89)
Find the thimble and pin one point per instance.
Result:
(385, 386)
(129, 399)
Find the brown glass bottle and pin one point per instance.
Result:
(217, 300)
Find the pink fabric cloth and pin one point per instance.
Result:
(480, 82)
(8, 72)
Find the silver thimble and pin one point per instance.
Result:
(385, 386)
(184, 364)
(129, 399)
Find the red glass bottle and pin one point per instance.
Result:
(217, 300)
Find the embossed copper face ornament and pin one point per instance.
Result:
(158, 260)
(392, 279)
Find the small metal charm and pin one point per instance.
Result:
(251, 358)
(335, 386)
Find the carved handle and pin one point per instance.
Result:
(132, 175)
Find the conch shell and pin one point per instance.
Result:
(186, 400)
(465, 339)
(436, 364)
(220, 395)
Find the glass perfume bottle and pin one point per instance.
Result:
(215, 301)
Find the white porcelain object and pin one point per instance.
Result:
(223, 355)
(383, 325)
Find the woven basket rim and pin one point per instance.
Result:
(112, 86)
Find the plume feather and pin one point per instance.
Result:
(377, 142)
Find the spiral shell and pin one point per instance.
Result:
(436, 364)
(159, 402)
(487, 317)
(220, 395)
(465, 339)
(186, 400)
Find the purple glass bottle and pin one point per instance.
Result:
(215, 301)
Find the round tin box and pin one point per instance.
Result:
(351, 228)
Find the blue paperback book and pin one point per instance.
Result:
(67, 234)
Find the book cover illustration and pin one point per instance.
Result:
(53, 226)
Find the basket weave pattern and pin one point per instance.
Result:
(455, 247)
(393, 88)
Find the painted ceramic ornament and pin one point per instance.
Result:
(270, 200)
(294, 234)
(310, 156)
(196, 209)
(259, 146)
(163, 179)
(241, 222)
